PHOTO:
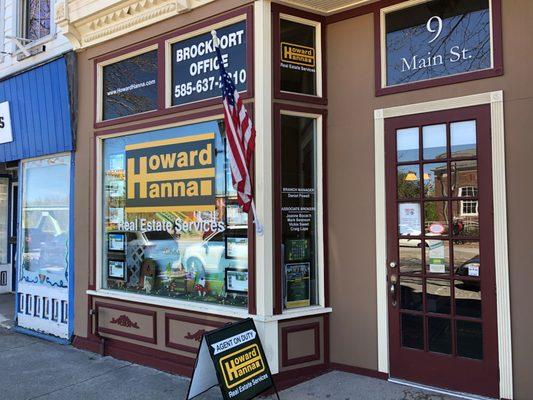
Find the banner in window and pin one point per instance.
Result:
(171, 175)
(195, 69)
(437, 38)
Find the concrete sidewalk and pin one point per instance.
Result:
(36, 369)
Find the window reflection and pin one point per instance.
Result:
(434, 141)
(468, 298)
(463, 139)
(436, 180)
(37, 18)
(438, 296)
(411, 293)
(466, 258)
(407, 144)
(408, 182)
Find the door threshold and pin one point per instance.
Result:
(459, 395)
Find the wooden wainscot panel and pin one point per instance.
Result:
(184, 332)
(127, 322)
(300, 344)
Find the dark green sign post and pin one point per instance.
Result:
(233, 358)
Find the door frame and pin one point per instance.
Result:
(501, 260)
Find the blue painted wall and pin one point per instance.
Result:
(40, 112)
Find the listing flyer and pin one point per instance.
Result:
(297, 276)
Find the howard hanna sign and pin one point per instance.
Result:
(171, 175)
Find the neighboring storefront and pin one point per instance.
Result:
(388, 183)
(36, 145)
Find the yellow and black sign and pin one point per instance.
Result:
(241, 365)
(296, 54)
(171, 175)
(233, 357)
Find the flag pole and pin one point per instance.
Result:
(258, 226)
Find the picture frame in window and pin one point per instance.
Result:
(435, 27)
(236, 280)
(116, 242)
(116, 269)
(233, 243)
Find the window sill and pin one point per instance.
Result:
(224, 311)
(296, 313)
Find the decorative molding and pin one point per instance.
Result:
(124, 321)
(122, 333)
(89, 24)
(196, 336)
(286, 330)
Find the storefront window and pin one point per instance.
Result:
(45, 221)
(299, 240)
(130, 86)
(172, 227)
(4, 210)
(298, 59)
(437, 38)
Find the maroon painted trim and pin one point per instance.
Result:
(276, 200)
(285, 331)
(278, 9)
(359, 371)
(132, 336)
(191, 320)
(169, 362)
(496, 70)
(160, 40)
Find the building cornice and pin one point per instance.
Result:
(89, 23)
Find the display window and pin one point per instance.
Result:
(423, 41)
(299, 233)
(128, 84)
(171, 224)
(44, 248)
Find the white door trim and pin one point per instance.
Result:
(501, 259)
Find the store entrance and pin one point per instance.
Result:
(8, 216)
(442, 302)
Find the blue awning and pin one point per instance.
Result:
(39, 103)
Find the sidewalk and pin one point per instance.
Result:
(36, 369)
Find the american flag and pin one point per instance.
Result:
(240, 134)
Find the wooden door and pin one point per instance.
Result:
(441, 283)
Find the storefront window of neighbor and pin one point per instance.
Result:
(172, 227)
(45, 221)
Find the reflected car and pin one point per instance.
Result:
(159, 246)
(209, 256)
(469, 265)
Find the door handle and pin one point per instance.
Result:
(392, 290)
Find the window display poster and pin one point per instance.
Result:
(236, 280)
(116, 269)
(116, 242)
(195, 70)
(297, 249)
(436, 256)
(297, 277)
(409, 221)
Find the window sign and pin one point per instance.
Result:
(298, 57)
(130, 86)
(195, 69)
(437, 38)
(6, 134)
(166, 230)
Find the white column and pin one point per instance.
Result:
(268, 329)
